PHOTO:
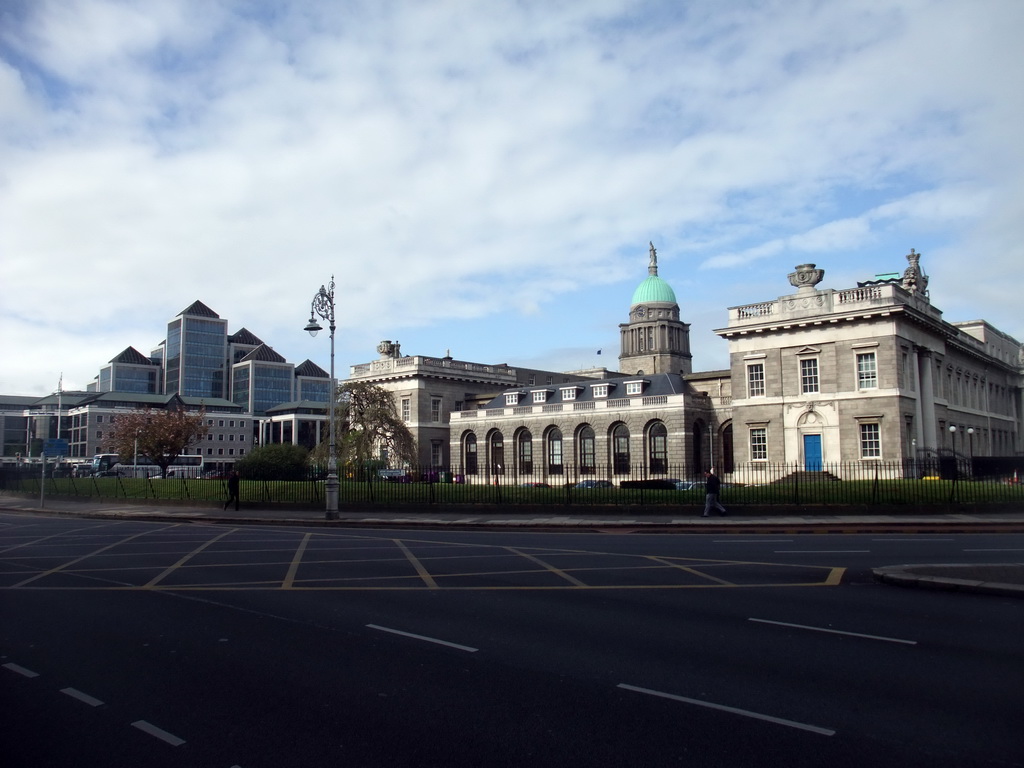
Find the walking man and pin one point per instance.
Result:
(232, 490)
(712, 485)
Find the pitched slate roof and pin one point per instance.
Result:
(657, 384)
(311, 369)
(244, 336)
(198, 309)
(132, 356)
(263, 354)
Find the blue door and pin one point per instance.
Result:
(812, 453)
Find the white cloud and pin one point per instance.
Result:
(457, 165)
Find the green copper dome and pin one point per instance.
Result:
(654, 289)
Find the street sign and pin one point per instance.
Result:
(55, 447)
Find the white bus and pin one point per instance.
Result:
(109, 465)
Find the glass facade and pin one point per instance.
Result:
(172, 357)
(314, 390)
(272, 386)
(133, 379)
(204, 352)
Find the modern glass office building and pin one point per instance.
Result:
(195, 356)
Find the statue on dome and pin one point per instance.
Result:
(653, 268)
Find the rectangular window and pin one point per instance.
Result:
(220, 423)
(435, 409)
(99, 418)
(867, 371)
(755, 380)
(870, 441)
(809, 375)
(759, 444)
(569, 393)
(600, 390)
(512, 398)
(634, 387)
(406, 409)
(540, 396)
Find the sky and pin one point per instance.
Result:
(483, 178)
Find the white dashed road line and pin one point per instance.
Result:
(424, 637)
(835, 631)
(83, 697)
(20, 670)
(732, 710)
(159, 733)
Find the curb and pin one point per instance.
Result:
(928, 577)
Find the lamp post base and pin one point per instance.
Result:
(331, 492)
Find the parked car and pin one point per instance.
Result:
(535, 485)
(216, 474)
(689, 485)
(595, 484)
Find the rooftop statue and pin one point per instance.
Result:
(914, 279)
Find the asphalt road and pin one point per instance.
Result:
(133, 643)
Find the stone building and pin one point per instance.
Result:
(431, 392)
(827, 378)
(656, 420)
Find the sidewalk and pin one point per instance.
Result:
(1005, 579)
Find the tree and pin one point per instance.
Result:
(161, 435)
(368, 428)
(278, 461)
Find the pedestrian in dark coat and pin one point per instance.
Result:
(232, 490)
(712, 485)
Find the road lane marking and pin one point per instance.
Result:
(167, 572)
(159, 733)
(289, 579)
(993, 550)
(732, 710)
(692, 571)
(752, 541)
(420, 569)
(466, 648)
(822, 551)
(915, 540)
(20, 670)
(83, 697)
(835, 631)
(55, 536)
(91, 554)
(547, 566)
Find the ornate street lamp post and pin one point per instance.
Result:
(323, 305)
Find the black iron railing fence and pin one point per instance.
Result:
(924, 482)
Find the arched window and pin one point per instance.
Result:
(620, 450)
(657, 449)
(554, 445)
(699, 464)
(728, 466)
(587, 451)
(497, 443)
(524, 452)
(469, 452)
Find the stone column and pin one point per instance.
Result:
(918, 404)
(928, 400)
